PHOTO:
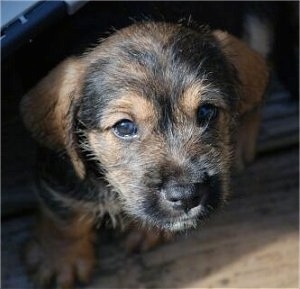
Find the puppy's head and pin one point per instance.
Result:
(156, 104)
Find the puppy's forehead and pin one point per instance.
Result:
(163, 63)
(145, 110)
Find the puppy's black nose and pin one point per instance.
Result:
(185, 196)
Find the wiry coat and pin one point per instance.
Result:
(157, 76)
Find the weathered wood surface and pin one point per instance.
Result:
(252, 243)
(280, 126)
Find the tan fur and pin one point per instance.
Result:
(191, 99)
(197, 94)
(46, 108)
(247, 131)
(64, 250)
(251, 67)
(131, 106)
(253, 74)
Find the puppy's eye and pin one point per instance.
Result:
(125, 128)
(206, 113)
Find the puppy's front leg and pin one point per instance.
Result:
(144, 239)
(247, 138)
(61, 251)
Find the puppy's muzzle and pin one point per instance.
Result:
(184, 197)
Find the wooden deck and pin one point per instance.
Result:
(252, 243)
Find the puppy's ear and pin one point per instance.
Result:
(251, 67)
(253, 75)
(47, 108)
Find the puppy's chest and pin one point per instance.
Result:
(105, 204)
(60, 188)
(93, 196)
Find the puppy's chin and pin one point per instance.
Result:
(184, 222)
(151, 215)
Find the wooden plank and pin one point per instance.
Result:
(280, 121)
(280, 109)
(280, 126)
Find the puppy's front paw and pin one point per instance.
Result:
(140, 240)
(61, 252)
(60, 261)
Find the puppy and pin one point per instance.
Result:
(145, 128)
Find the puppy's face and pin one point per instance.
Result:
(154, 107)
(158, 104)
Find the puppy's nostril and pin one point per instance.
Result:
(195, 201)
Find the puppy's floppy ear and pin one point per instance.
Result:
(251, 67)
(47, 108)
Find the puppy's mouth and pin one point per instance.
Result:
(185, 221)
(179, 207)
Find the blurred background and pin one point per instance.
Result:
(253, 242)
